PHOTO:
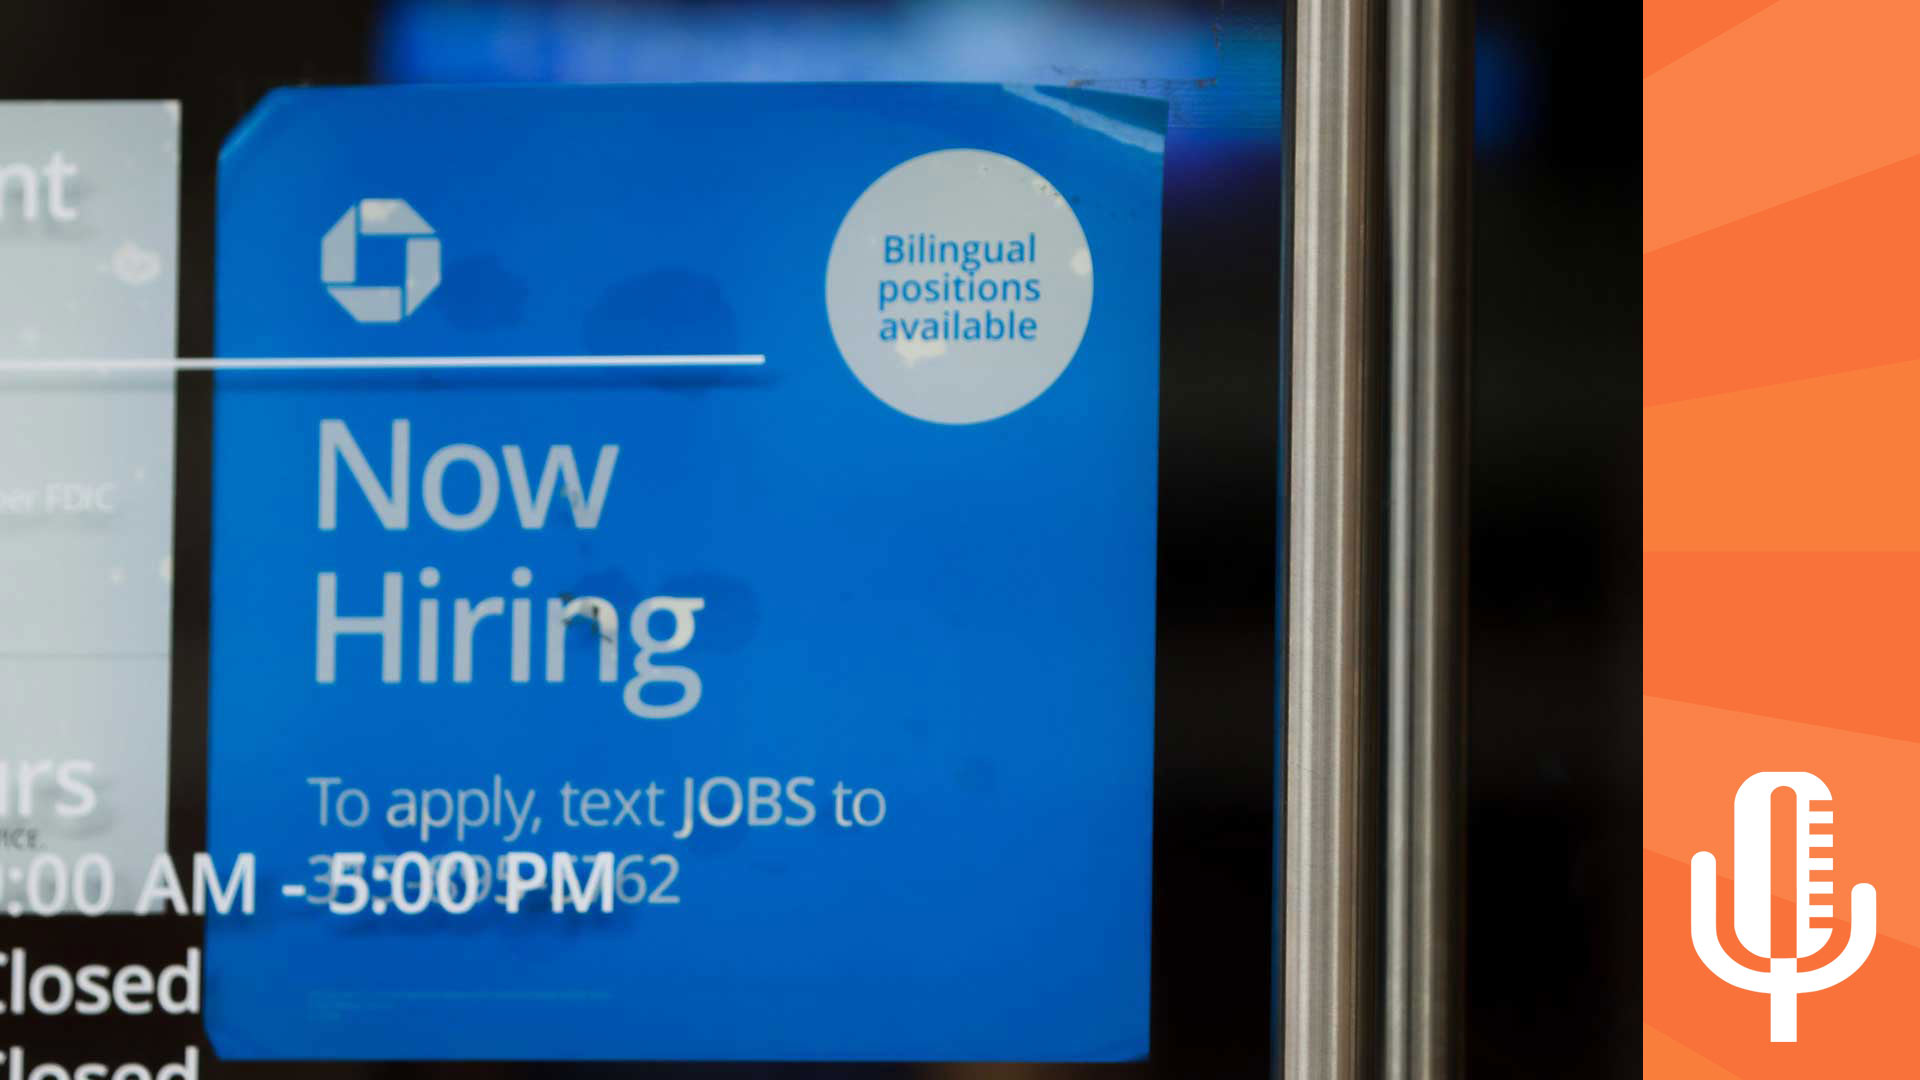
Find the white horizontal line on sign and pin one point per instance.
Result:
(398, 363)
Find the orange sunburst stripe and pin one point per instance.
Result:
(1797, 98)
(1821, 638)
(1822, 464)
(1668, 1058)
(1820, 285)
(1670, 31)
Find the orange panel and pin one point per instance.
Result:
(1782, 508)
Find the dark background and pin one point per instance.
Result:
(1554, 791)
(1553, 918)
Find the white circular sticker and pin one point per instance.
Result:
(959, 286)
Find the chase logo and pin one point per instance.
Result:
(340, 258)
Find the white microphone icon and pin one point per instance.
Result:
(1753, 900)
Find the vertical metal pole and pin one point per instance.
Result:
(1429, 162)
(1329, 991)
(1371, 974)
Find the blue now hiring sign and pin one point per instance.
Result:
(835, 634)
